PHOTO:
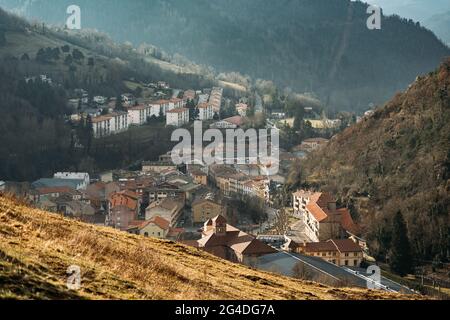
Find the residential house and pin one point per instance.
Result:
(227, 242)
(156, 227)
(157, 166)
(170, 209)
(312, 144)
(74, 176)
(205, 209)
(199, 177)
(339, 252)
(177, 117)
(229, 123)
(128, 99)
(242, 109)
(321, 218)
(123, 208)
(189, 95)
(77, 184)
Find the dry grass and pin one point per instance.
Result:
(36, 248)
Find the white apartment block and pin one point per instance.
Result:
(177, 117)
(110, 124)
(205, 111)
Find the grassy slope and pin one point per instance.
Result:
(36, 248)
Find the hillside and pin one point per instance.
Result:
(397, 159)
(37, 247)
(318, 46)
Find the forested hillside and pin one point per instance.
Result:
(320, 46)
(396, 160)
(36, 137)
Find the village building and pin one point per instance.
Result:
(225, 241)
(310, 145)
(242, 109)
(157, 166)
(344, 253)
(177, 117)
(205, 209)
(123, 209)
(156, 227)
(205, 112)
(320, 216)
(170, 209)
(229, 123)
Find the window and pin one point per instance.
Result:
(346, 262)
(355, 263)
(146, 234)
(346, 254)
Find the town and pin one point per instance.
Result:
(228, 210)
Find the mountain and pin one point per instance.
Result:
(431, 14)
(36, 138)
(396, 159)
(317, 46)
(37, 247)
(440, 23)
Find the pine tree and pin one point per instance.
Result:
(400, 261)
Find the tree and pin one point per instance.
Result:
(65, 48)
(91, 62)
(25, 57)
(400, 258)
(2, 38)
(77, 54)
(119, 105)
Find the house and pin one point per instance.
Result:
(189, 95)
(170, 209)
(205, 111)
(157, 166)
(177, 117)
(77, 184)
(215, 99)
(156, 227)
(199, 177)
(339, 252)
(39, 194)
(123, 208)
(128, 99)
(241, 109)
(312, 144)
(120, 217)
(100, 100)
(74, 176)
(320, 216)
(164, 190)
(226, 242)
(205, 209)
(229, 123)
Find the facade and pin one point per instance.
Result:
(177, 117)
(74, 176)
(156, 227)
(168, 208)
(107, 125)
(345, 253)
(227, 242)
(320, 216)
(205, 209)
(241, 109)
(157, 166)
(205, 111)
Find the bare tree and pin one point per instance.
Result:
(282, 221)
